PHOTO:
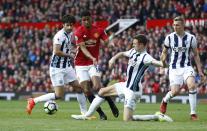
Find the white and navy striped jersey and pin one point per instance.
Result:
(138, 63)
(65, 40)
(180, 49)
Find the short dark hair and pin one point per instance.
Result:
(141, 38)
(85, 13)
(68, 19)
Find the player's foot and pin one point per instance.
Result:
(30, 105)
(193, 117)
(79, 117)
(103, 116)
(163, 107)
(90, 117)
(163, 117)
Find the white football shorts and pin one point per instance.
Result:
(62, 76)
(85, 73)
(130, 96)
(180, 75)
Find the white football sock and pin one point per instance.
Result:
(167, 97)
(144, 117)
(82, 102)
(46, 97)
(193, 101)
(94, 105)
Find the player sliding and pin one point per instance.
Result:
(139, 61)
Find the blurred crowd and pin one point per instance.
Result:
(25, 52)
(53, 10)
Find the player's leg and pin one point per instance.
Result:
(176, 80)
(71, 78)
(128, 113)
(57, 78)
(158, 116)
(190, 81)
(129, 104)
(84, 79)
(108, 91)
(90, 96)
(97, 85)
(192, 97)
(145, 117)
(103, 92)
(80, 96)
(172, 93)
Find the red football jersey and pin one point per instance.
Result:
(92, 38)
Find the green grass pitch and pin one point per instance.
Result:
(14, 118)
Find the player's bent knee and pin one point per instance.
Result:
(192, 87)
(175, 91)
(96, 87)
(78, 90)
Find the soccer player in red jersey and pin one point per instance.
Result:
(88, 39)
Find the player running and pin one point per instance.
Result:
(61, 70)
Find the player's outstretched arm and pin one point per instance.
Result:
(159, 63)
(198, 64)
(114, 58)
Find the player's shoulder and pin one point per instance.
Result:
(131, 51)
(95, 27)
(60, 33)
(79, 30)
(146, 55)
(189, 34)
(171, 34)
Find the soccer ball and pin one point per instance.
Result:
(50, 107)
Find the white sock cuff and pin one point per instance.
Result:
(193, 91)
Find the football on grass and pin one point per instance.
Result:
(50, 107)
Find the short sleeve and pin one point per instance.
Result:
(148, 59)
(128, 53)
(58, 39)
(193, 42)
(167, 41)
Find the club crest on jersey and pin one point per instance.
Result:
(96, 35)
(132, 62)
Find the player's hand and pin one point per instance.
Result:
(165, 65)
(203, 78)
(111, 63)
(95, 62)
